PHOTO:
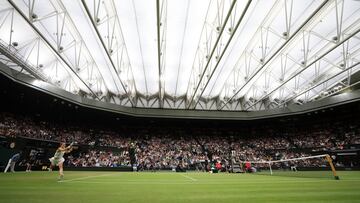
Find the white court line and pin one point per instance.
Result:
(211, 182)
(143, 183)
(188, 177)
(83, 178)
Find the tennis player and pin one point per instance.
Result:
(58, 158)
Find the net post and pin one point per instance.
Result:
(271, 172)
(328, 158)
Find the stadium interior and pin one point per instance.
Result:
(180, 100)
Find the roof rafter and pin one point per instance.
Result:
(220, 30)
(264, 63)
(51, 47)
(108, 50)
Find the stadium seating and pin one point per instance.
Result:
(161, 148)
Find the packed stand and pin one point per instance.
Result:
(98, 158)
(167, 152)
(161, 148)
(18, 126)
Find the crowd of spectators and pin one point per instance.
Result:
(98, 158)
(19, 126)
(171, 148)
(165, 151)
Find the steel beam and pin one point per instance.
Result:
(50, 46)
(212, 52)
(279, 49)
(20, 62)
(307, 66)
(107, 52)
(223, 52)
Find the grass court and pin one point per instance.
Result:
(166, 187)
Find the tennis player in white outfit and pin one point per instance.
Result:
(58, 158)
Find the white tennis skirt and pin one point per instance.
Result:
(56, 162)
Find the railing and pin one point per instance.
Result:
(13, 54)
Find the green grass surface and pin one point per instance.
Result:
(159, 187)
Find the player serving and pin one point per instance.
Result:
(58, 159)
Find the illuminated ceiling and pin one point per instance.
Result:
(186, 54)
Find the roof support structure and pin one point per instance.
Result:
(94, 24)
(264, 63)
(161, 12)
(212, 53)
(318, 84)
(223, 52)
(232, 55)
(308, 65)
(6, 51)
(51, 47)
